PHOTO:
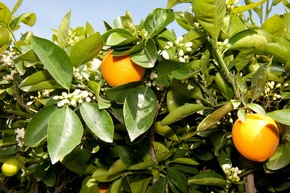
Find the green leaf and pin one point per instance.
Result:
(63, 30)
(185, 161)
(64, 133)
(280, 53)
(86, 49)
(178, 179)
(172, 3)
(256, 108)
(181, 112)
(139, 184)
(139, 111)
(142, 165)
(157, 20)
(44, 172)
(5, 15)
(258, 83)
(89, 185)
(232, 25)
(224, 86)
(117, 167)
(248, 39)
(209, 178)
(210, 15)
(147, 56)
(244, 57)
(159, 186)
(274, 25)
(26, 18)
(98, 121)
(215, 116)
(280, 159)
(38, 81)
(37, 127)
(166, 131)
(247, 7)
(119, 37)
(55, 60)
(281, 116)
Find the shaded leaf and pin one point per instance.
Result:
(208, 179)
(37, 127)
(281, 116)
(258, 83)
(166, 131)
(280, 159)
(178, 179)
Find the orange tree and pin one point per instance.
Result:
(169, 131)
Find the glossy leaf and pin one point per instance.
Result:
(281, 116)
(274, 25)
(26, 18)
(256, 108)
(89, 185)
(37, 127)
(280, 159)
(64, 133)
(98, 121)
(55, 60)
(118, 37)
(244, 57)
(159, 186)
(166, 131)
(224, 86)
(215, 116)
(139, 111)
(86, 49)
(178, 179)
(181, 112)
(208, 179)
(147, 56)
(210, 15)
(139, 184)
(243, 8)
(157, 20)
(185, 161)
(172, 3)
(117, 167)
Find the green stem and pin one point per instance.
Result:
(224, 69)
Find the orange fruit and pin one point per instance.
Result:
(103, 187)
(257, 139)
(120, 70)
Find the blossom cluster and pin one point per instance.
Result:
(272, 90)
(232, 173)
(181, 51)
(75, 98)
(20, 136)
(7, 60)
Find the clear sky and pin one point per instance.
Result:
(50, 12)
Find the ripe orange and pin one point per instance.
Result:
(257, 139)
(120, 70)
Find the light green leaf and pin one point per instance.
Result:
(210, 15)
(55, 60)
(63, 30)
(26, 18)
(139, 184)
(208, 178)
(281, 116)
(280, 159)
(215, 116)
(224, 86)
(37, 127)
(181, 112)
(64, 133)
(166, 131)
(172, 3)
(139, 111)
(274, 25)
(244, 8)
(86, 49)
(5, 14)
(98, 121)
(157, 20)
(256, 108)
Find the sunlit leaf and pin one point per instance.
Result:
(5, 14)
(64, 133)
(63, 30)
(208, 178)
(280, 159)
(210, 15)
(281, 116)
(172, 3)
(26, 18)
(139, 111)
(86, 49)
(98, 121)
(243, 8)
(55, 59)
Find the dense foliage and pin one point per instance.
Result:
(170, 132)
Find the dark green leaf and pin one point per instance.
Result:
(86, 49)
(224, 86)
(258, 83)
(98, 121)
(208, 179)
(181, 112)
(37, 127)
(178, 179)
(159, 186)
(280, 159)
(139, 183)
(139, 111)
(64, 133)
(55, 59)
(166, 131)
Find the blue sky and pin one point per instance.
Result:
(50, 12)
